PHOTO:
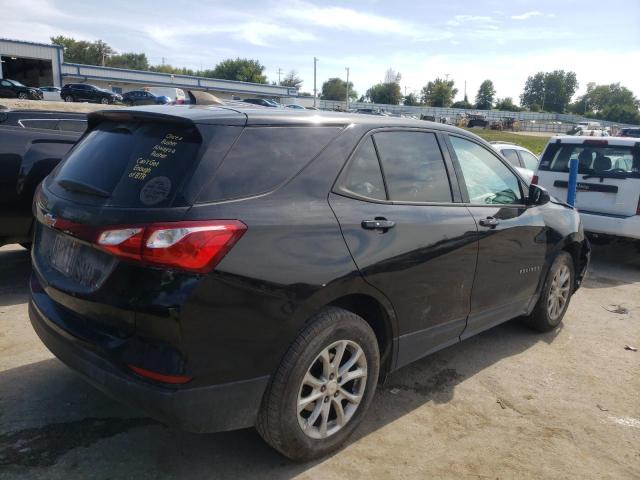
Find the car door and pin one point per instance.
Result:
(6, 90)
(512, 235)
(409, 235)
(148, 98)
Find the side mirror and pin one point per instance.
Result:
(538, 195)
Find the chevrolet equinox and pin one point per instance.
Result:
(228, 267)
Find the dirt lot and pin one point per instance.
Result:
(506, 404)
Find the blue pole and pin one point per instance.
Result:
(573, 181)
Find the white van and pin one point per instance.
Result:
(176, 95)
(608, 195)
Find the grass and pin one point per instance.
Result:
(534, 143)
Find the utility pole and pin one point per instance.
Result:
(347, 88)
(465, 89)
(315, 89)
(279, 72)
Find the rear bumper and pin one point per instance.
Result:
(628, 227)
(221, 407)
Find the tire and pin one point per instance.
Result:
(69, 98)
(105, 101)
(23, 96)
(287, 429)
(544, 316)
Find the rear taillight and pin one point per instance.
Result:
(193, 246)
(534, 180)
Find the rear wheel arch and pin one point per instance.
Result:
(379, 318)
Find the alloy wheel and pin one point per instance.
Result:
(332, 389)
(559, 292)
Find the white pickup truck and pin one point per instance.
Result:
(608, 193)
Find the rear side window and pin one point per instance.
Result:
(363, 176)
(512, 156)
(263, 158)
(138, 164)
(413, 167)
(606, 160)
(530, 161)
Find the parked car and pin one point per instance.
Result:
(51, 94)
(83, 92)
(629, 132)
(176, 95)
(31, 145)
(142, 97)
(608, 196)
(14, 89)
(521, 158)
(477, 121)
(222, 268)
(264, 102)
(295, 106)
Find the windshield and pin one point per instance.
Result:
(606, 161)
(16, 83)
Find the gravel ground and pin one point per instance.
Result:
(508, 403)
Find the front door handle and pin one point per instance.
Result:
(378, 224)
(489, 222)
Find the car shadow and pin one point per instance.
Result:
(15, 268)
(614, 264)
(48, 413)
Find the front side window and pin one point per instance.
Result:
(363, 176)
(413, 167)
(487, 179)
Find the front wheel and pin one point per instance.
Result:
(555, 296)
(323, 387)
(22, 96)
(104, 101)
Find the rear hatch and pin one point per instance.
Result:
(129, 169)
(608, 173)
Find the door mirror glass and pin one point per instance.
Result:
(538, 195)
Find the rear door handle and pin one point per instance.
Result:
(489, 222)
(378, 224)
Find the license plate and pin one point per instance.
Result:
(64, 254)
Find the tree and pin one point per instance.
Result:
(239, 69)
(166, 68)
(387, 93)
(412, 100)
(506, 104)
(439, 93)
(391, 76)
(81, 51)
(336, 89)
(550, 91)
(292, 80)
(484, 98)
(134, 61)
(609, 102)
(462, 104)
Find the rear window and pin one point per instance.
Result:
(601, 160)
(264, 158)
(138, 164)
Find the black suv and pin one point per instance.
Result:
(83, 92)
(14, 89)
(227, 267)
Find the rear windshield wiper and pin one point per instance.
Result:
(75, 186)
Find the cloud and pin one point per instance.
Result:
(460, 20)
(524, 16)
(348, 19)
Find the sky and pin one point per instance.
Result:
(465, 40)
